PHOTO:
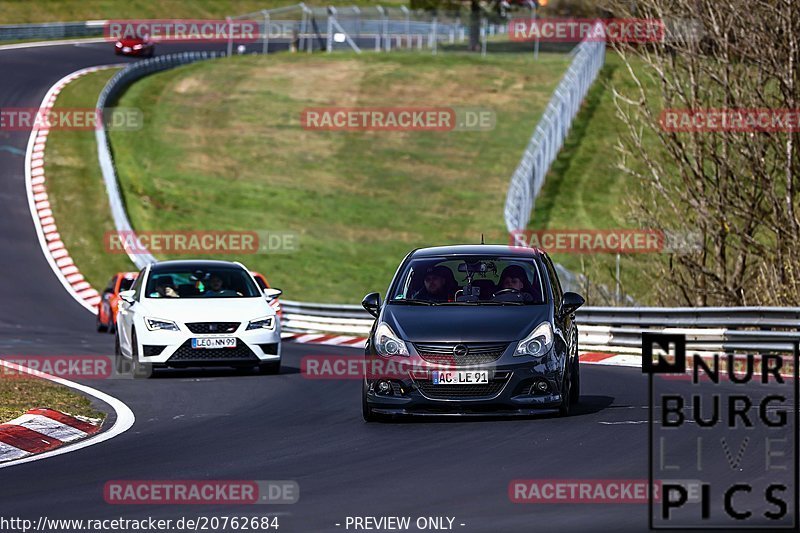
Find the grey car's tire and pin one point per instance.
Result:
(566, 395)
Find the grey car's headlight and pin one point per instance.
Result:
(537, 343)
(387, 343)
(156, 324)
(267, 322)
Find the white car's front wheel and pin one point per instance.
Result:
(138, 369)
(273, 367)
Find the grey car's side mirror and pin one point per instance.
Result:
(271, 293)
(570, 303)
(128, 296)
(372, 303)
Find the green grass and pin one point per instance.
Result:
(585, 190)
(75, 187)
(22, 11)
(223, 149)
(18, 394)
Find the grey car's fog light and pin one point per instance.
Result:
(540, 386)
(384, 387)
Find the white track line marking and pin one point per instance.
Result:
(124, 421)
(40, 206)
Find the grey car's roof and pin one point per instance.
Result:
(477, 249)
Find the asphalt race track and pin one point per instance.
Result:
(222, 425)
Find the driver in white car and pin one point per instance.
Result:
(215, 288)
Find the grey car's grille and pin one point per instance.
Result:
(461, 392)
(478, 353)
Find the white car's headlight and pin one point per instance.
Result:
(266, 322)
(537, 343)
(387, 344)
(156, 324)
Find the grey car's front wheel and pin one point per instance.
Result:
(273, 367)
(575, 387)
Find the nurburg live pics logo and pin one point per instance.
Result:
(728, 429)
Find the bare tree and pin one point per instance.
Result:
(738, 190)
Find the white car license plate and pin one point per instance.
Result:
(460, 377)
(214, 342)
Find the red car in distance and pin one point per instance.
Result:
(135, 46)
(107, 309)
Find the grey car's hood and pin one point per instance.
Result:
(445, 323)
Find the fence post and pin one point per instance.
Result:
(230, 36)
(331, 15)
(407, 13)
(435, 31)
(483, 36)
(265, 49)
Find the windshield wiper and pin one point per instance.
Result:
(413, 302)
(482, 302)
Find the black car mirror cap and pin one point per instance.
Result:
(570, 303)
(372, 303)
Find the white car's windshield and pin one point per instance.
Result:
(218, 282)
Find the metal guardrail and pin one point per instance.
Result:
(110, 92)
(51, 30)
(605, 328)
(550, 133)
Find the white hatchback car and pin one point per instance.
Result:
(197, 313)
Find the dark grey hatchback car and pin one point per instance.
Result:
(472, 330)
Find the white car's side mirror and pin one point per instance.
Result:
(128, 296)
(271, 294)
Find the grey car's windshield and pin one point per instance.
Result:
(469, 280)
(201, 283)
